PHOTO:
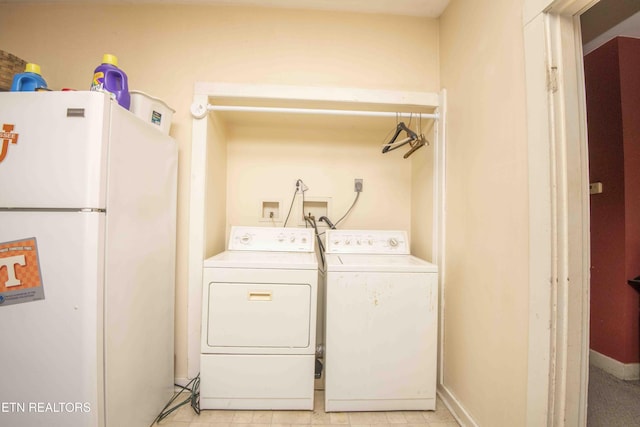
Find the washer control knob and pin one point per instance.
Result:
(245, 239)
(370, 242)
(292, 239)
(393, 242)
(304, 239)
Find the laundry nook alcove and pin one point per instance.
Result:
(271, 155)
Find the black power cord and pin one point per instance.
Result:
(312, 222)
(193, 387)
(300, 187)
(328, 221)
(293, 199)
(349, 211)
(334, 226)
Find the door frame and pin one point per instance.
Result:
(559, 252)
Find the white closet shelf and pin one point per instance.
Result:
(313, 106)
(317, 97)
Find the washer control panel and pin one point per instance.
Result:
(271, 239)
(367, 242)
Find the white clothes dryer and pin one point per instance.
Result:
(259, 321)
(381, 323)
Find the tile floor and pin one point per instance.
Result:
(186, 417)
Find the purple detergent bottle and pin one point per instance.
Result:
(109, 78)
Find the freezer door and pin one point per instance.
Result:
(52, 153)
(51, 349)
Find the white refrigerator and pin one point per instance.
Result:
(87, 262)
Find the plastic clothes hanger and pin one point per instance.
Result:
(393, 144)
(420, 142)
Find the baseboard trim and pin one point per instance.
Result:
(455, 407)
(623, 371)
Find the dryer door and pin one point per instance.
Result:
(261, 316)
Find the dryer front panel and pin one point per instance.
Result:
(259, 315)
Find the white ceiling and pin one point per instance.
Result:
(630, 27)
(429, 8)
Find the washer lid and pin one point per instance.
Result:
(259, 259)
(379, 263)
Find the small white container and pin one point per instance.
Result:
(152, 110)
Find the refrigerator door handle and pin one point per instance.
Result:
(83, 210)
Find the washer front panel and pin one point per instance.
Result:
(381, 346)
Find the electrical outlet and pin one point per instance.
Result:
(358, 185)
(595, 188)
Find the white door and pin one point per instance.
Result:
(51, 347)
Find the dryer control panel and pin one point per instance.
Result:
(271, 239)
(367, 242)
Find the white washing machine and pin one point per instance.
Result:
(259, 321)
(381, 323)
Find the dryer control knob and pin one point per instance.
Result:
(245, 239)
(393, 242)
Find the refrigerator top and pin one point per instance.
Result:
(53, 149)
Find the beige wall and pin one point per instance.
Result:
(422, 203)
(486, 317)
(166, 49)
(264, 164)
(216, 183)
